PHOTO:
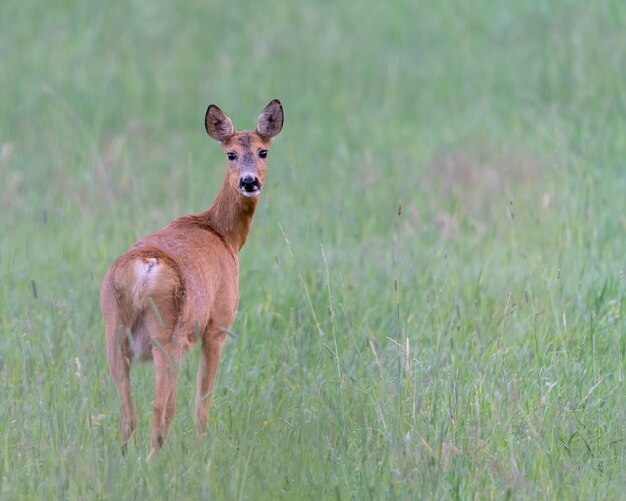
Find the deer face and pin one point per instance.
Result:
(246, 151)
(247, 162)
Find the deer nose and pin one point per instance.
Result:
(249, 184)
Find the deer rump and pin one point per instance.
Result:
(157, 301)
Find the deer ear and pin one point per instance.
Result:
(217, 124)
(271, 120)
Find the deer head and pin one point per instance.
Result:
(246, 151)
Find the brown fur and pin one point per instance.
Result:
(180, 285)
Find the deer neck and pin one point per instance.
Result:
(231, 215)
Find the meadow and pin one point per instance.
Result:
(430, 297)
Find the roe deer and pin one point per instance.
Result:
(180, 284)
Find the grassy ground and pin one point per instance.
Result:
(431, 293)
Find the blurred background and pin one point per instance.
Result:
(437, 255)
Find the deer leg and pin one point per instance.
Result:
(170, 406)
(207, 370)
(166, 359)
(170, 411)
(119, 357)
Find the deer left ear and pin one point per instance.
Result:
(271, 119)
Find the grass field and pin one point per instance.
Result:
(431, 293)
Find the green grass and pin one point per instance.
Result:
(472, 347)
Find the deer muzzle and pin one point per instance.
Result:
(250, 186)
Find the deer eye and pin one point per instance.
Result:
(231, 156)
(263, 153)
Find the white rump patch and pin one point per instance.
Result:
(145, 273)
(145, 267)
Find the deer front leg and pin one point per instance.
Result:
(207, 370)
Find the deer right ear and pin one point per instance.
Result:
(217, 124)
(270, 121)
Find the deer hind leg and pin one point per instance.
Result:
(156, 288)
(160, 321)
(207, 370)
(119, 357)
(170, 411)
(166, 363)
